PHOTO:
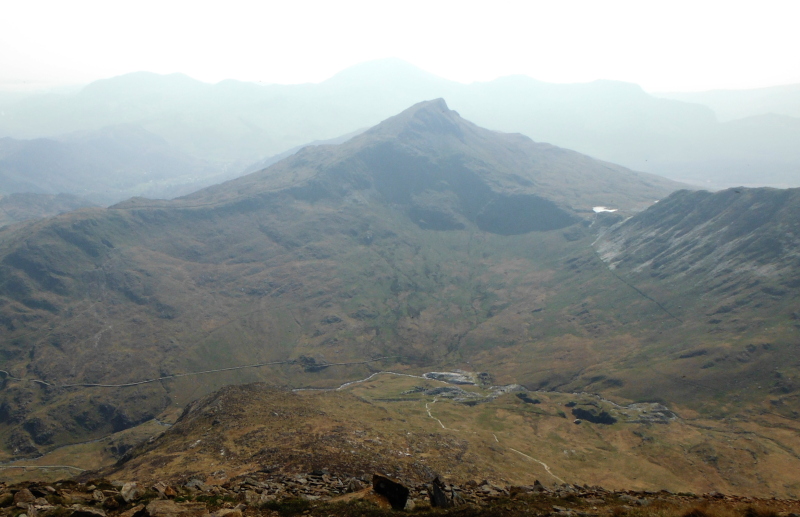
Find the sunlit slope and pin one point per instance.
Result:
(723, 268)
(426, 240)
(415, 429)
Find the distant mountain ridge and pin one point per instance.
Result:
(104, 166)
(233, 124)
(736, 104)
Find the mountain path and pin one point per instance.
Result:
(540, 462)
(430, 414)
(543, 464)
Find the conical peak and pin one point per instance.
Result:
(433, 105)
(425, 117)
(433, 109)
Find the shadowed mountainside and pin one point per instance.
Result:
(428, 160)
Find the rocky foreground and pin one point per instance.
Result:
(325, 494)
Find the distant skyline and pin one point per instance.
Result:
(662, 46)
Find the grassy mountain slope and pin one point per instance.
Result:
(395, 243)
(431, 243)
(724, 267)
(399, 425)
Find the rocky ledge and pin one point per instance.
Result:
(323, 493)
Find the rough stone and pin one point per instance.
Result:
(167, 508)
(196, 483)
(131, 491)
(24, 496)
(86, 511)
(394, 492)
(110, 503)
(354, 485)
(251, 497)
(160, 487)
(136, 511)
(438, 496)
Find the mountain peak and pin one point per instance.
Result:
(432, 115)
(427, 117)
(437, 104)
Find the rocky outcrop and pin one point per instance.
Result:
(393, 491)
(319, 493)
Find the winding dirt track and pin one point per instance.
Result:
(428, 409)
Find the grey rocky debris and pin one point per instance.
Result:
(86, 511)
(131, 491)
(168, 508)
(252, 492)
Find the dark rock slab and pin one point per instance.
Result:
(437, 494)
(394, 492)
(24, 496)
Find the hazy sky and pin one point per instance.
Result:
(662, 45)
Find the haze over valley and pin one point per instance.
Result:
(167, 135)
